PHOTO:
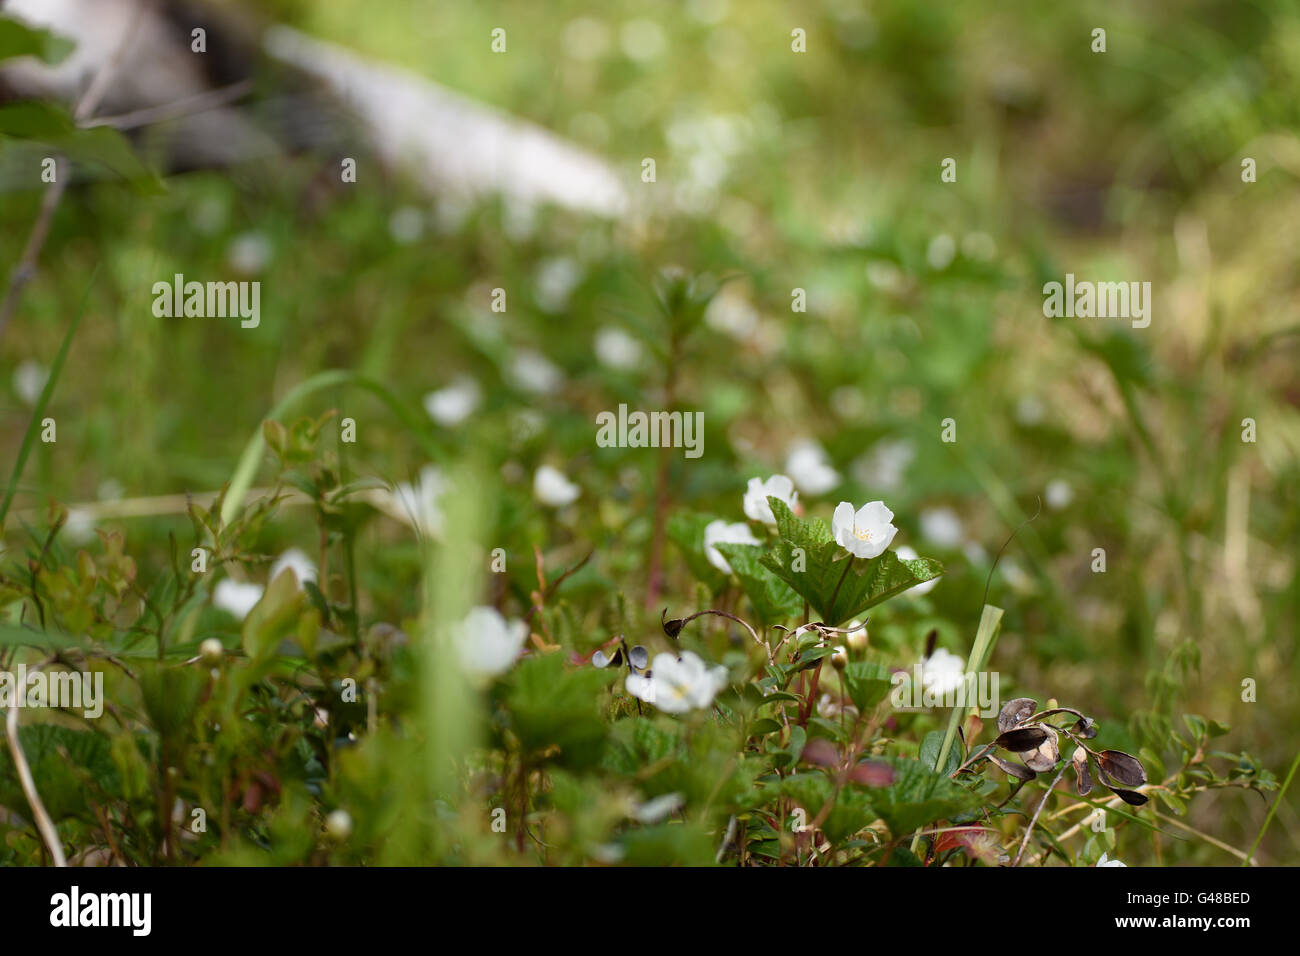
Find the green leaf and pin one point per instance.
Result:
(930, 748)
(551, 705)
(851, 812)
(919, 796)
(53, 125)
(18, 39)
(61, 760)
(773, 600)
(868, 683)
(834, 583)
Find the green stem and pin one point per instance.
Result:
(1273, 809)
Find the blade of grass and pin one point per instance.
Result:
(1250, 854)
(985, 637)
(38, 412)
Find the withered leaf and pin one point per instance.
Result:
(1022, 739)
(1013, 712)
(1013, 769)
(1121, 767)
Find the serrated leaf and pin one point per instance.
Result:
(836, 585)
(772, 599)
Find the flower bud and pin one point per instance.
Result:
(338, 825)
(857, 637)
(211, 651)
(839, 658)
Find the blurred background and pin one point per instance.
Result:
(774, 171)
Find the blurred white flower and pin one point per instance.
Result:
(1059, 494)
(942, 672)
(586, 38)
(652, 811)
(297, 560)
(236, 597)
(909, 554)
(452, 405)
(719, 532)
(29, 379)
(885, 465)
(406, 225)
(487, 643)
(865, 533)
(731, 313)
(110, 489)
(533, 372)
(678, 684)
(978, 246)
(1104, 861)
(809, 467)
(249, 253)
(856, 637)
(642, 40)
(941, 251)
(757, 507)
(80, 526)
(552, 487)
(617, 349)
(1029, 410)
(555, 281)
(419, 500)
(943, 527)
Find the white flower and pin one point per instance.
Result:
(884, 466)
(617, 349)
(807, 464)
(941, 251)
(1106, 862)
(943, 527)
(554, 283)
(29, 380)
(419, 500)
(678, 684)
(296, 559)
(925, 587)
(652, 811)
(552, 488)
(406, 224)
(758, 508)
(452, 405)
(533, 372)
(942, 672)
(866, 533)
(80, 526)
(236, 597)
(719, 532)
(249, 253)
(487, 643)
(1058, 494)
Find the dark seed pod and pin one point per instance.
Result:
(1046, 756)
(1014, 712)
(1016, 770)
(1085, 727)
(1122, 768)
(1131, 797)
(1022, 739)
(671, 628)
(1083, 778)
